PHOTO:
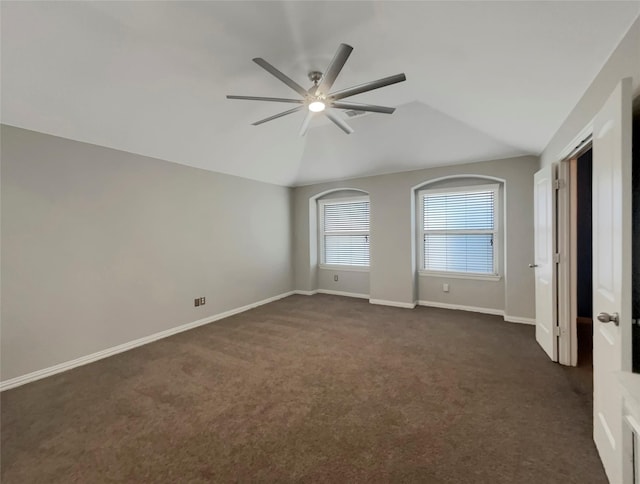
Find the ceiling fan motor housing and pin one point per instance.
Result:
(315, 76)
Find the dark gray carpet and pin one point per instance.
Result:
(311, 389)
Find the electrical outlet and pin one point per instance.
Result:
(335, 277)
(202, 301)
(196, 302)
(445, 287)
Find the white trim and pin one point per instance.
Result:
(630, 385)
(84, 360)
(520, 320)
(343, 293)
(579, 143)
(423, 185)
(460, 275)
(339, 200)
(325, 267)
(463, 189)
(633, 423)
(395, 304)
(460, 307)
(476, 309)
(319, 195)
(607, 430)
(566, 265)
(305, 293)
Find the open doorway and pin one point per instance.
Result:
(583, 294)
(574, 244)
(575, 268)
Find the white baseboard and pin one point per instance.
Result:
(475, 309)
(343, 293)
(460, 307)
(395, 304)
(83, 360)
(518, 319)
(305, 293)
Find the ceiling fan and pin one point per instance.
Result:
(318, 97)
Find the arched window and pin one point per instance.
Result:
(343, 225)
(458, 228)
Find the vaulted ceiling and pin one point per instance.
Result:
(485, 80)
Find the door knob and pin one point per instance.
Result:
(606, 318)
(531, 266)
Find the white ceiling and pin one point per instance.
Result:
(485, 80)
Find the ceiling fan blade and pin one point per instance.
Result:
(338, 121)
(363, 107)
(305, 123)
(276, 116)
(333, 69)
(259, 98)
(367, 86)
(275, 72)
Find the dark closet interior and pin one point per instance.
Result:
(584, 257)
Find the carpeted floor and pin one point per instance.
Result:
(311, 389)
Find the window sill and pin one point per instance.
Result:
(326, 267)
(461, 275)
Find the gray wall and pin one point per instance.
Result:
(352, 282)
(101, 247)
(623, 62)
(393, 267)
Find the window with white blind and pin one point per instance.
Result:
(344, 232)
(459, 230)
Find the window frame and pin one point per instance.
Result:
(321, 233)
(497, 245)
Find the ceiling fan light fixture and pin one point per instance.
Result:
(316, 106)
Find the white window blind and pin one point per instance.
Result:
(459, 230)
(345, 232)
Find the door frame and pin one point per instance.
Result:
(567, 247)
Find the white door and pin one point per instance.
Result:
(611, 272)
(545, 268)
